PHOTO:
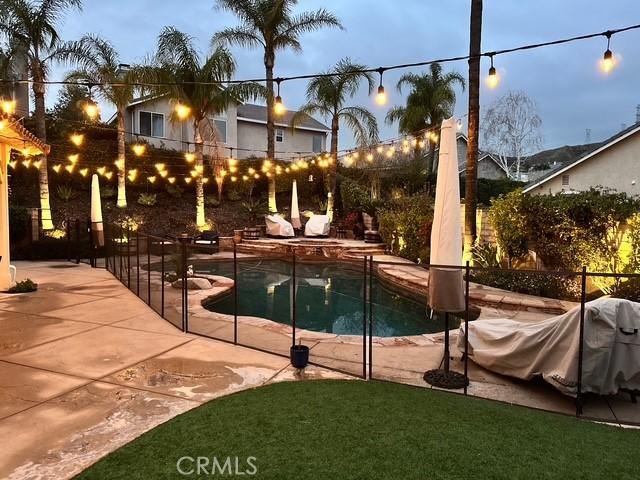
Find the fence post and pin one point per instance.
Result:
(583, 299)
(161, 278)
(68, 240)
(77, 240)
(137, 263)
(128, 257)
(120, 250)
(370, 317)
(93, 248)
(106, 246)
(235, 294)
(148, 271)
(293, 297)
(364, 318)
(466, 327)
(185, 298)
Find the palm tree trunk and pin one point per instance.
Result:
(200, 219)
(471, 179)
(269, 61)
(122, 192)
(331, 174)
(41, 132)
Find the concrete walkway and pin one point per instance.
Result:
(86, 366)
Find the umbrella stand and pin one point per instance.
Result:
(445, 377)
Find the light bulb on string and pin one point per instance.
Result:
(189, 157)
(139, 149)
(381, 96)
(73, 158)
(8, 107)
(187, 180)
(101, 170)
(91, 108)
(151, 179)
(13, 164)
(493, 80)
(234, 178)
(37, 164)
(171, 180)
(56, 168)
(133, 174)
(77, 139)
(278, 106)
(182, 111)
(369, 157)
(108, 175)
(159, 166)
(84, 172)
(608, 62)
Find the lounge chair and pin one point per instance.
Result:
(278, 227)
(317, 226)
(209, 238)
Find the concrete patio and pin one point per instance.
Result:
(86, 366)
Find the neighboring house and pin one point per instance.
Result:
(241, 130)
(488, 167)
(614, 164)
(546, 161)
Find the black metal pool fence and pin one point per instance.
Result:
(157, 270)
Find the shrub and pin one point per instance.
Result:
(19, 223)
(507, 215)
(65, 192)
(405, 226)
(353, 195)
(175, 191)
(539, 284)
(107, 191)
(24, 286)
(147, 199)
(211, 201)
(233, 195)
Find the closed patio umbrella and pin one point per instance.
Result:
(97, 228)
(295, 211)
(446, 287)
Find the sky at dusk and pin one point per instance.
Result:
(564, 81)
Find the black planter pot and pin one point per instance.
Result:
(299, 356)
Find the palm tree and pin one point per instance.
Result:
(101, 66)
(188, 80)
(327, 96)
(471, 180)
(29, 27)
(271, 25)
(431, 100)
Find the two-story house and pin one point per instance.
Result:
(241, 130)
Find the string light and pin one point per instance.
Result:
(380, 149)
(171, 180)
(245, 178)
(37, 164)
(381, 96)
(101, 170)
(369, 157)
(108, 175)
(69, 168)
(77, 139)
(187, 180)
(91, 108)
(163, 173)
(133, 174)
(189, 157)
(151, 179)
(182, 111)
(14, 164)
(205, 180)
(278, 106)
(492, 79)
(119, 164)
(8, 107)
(139, 149)
(73, 158)
(608, 61)
(84, 172)
(234, 178)
(159, 166)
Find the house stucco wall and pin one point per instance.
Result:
(252, 137)
(617, 167)
(173, 137)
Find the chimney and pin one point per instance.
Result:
(637, 113)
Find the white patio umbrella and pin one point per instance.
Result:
(97, 228)
(295, 211)
(446, 287)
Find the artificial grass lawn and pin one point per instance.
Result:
(353, 429)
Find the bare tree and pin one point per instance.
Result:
(512, 131)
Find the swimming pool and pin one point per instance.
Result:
(328, 298)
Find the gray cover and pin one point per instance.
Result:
(611, 358)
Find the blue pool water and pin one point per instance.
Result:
(328, 298)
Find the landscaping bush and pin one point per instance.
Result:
(487, 189)
(211, 201)
(175, 191)
(539, 284)
(19, 223)
(49, 248)
(566, 231)
(25, 286)
(147, 199)
(405, 226)
(234, 195)
(353, 195)
(107, 191)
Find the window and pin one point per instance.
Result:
(565, 180)
(316, 144)
(151, 124)
(279, 135)
(221, 130)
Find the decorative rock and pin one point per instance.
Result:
(193, 283)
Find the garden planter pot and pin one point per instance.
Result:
(299, 356)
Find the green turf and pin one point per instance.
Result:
(353, 429)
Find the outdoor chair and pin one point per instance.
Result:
(209, 238)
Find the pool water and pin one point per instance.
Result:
(328, 298)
